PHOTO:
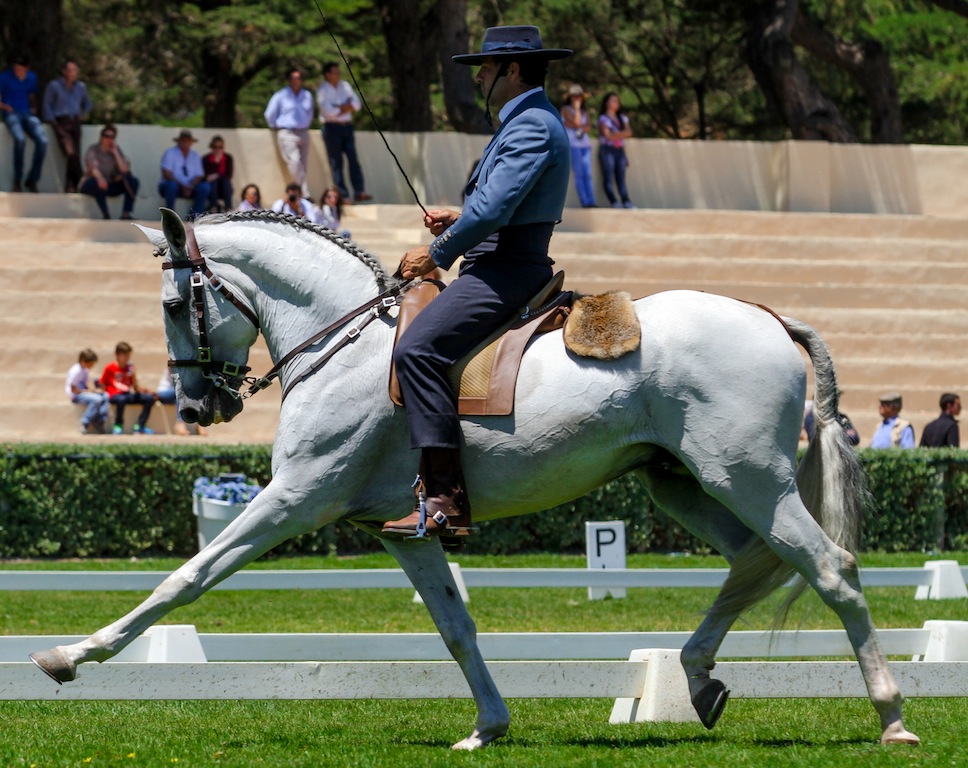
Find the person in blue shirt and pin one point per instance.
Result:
(289, 114)
(894, 432)
(19, 100)
(513, 200)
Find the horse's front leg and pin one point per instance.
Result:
(424, 562)
(274, 515)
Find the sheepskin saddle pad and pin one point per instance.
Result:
(604, 327)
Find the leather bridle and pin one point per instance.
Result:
(222, 372)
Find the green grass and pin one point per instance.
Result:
(544, 733)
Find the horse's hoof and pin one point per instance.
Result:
(477, 740)
(710, 702)
(55, 664)
(898, 734)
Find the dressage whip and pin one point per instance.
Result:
(376, 125)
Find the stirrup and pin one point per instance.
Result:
(438, 517)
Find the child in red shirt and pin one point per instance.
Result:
(121, 384)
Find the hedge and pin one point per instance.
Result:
(136, 501)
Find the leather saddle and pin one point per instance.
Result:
(484, 379)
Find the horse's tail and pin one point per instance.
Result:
(831, 482)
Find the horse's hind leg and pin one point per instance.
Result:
(681, 496)
(795, 537)
(424, 562)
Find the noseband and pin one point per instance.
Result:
(221, 372)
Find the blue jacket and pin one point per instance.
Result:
(522, 178)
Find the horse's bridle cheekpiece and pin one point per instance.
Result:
(222, 372)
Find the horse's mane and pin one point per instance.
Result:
(383, 280)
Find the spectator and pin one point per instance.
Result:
(251, 199)
(107, 173)
(810, 428)
(330, 211)
(613, 130)
(337, 102)
(289, 114)
(943, 431)
(66, 104)
(218, 173)
(166, 396)
(575, 117)
(121, 383)
(293, 204)
(19, 102)
(182, 175)
(894, 432)
(79, 390)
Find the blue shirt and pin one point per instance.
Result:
(183, 169)
(61, 101)
(16, 93)
(882, 437)
(291, 111)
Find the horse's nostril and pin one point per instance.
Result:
(189, 415)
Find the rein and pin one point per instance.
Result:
(220, 372)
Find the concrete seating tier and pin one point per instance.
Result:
(886, 292)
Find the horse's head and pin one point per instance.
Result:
(208, 327)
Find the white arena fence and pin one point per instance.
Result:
(936, 580)
(640, 670)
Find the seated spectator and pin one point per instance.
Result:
(943, 431)
(294, 203)
(80, 391)
(107, 173)
(121, 383)
(218, 173)
(894, 432)
(251, 199)
(19, 102)
(166, 396)
(182, 175)
(330, 212)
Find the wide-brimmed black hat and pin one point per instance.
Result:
(520, 42)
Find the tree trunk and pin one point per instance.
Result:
(869, 64)
(221, 89)
(411, 39)
(463, 111)
(790, 91)
(35, 30)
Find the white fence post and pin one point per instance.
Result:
(605, 548)
(665, 694)
(174, 643)
(946, 583)
(948, 641)
(458, 579)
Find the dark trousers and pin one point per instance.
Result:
(171, 191)
(67, 129)
(221, 190)
(339, 141)
(132, 398)
(483, 298)
(127, 185)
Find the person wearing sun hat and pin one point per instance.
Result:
(576, 120)
(182, 175)
(513, 200)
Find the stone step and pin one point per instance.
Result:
(783, 297)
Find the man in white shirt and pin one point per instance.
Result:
(337, 102)
(182, 175)
(289, 114)
(292, 204)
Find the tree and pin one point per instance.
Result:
(35, 30)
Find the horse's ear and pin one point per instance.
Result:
(174, 229)
(155, 236)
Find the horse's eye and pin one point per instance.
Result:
(173, 306)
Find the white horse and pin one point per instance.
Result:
(706, 414)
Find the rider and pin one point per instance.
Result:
(513, 200)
